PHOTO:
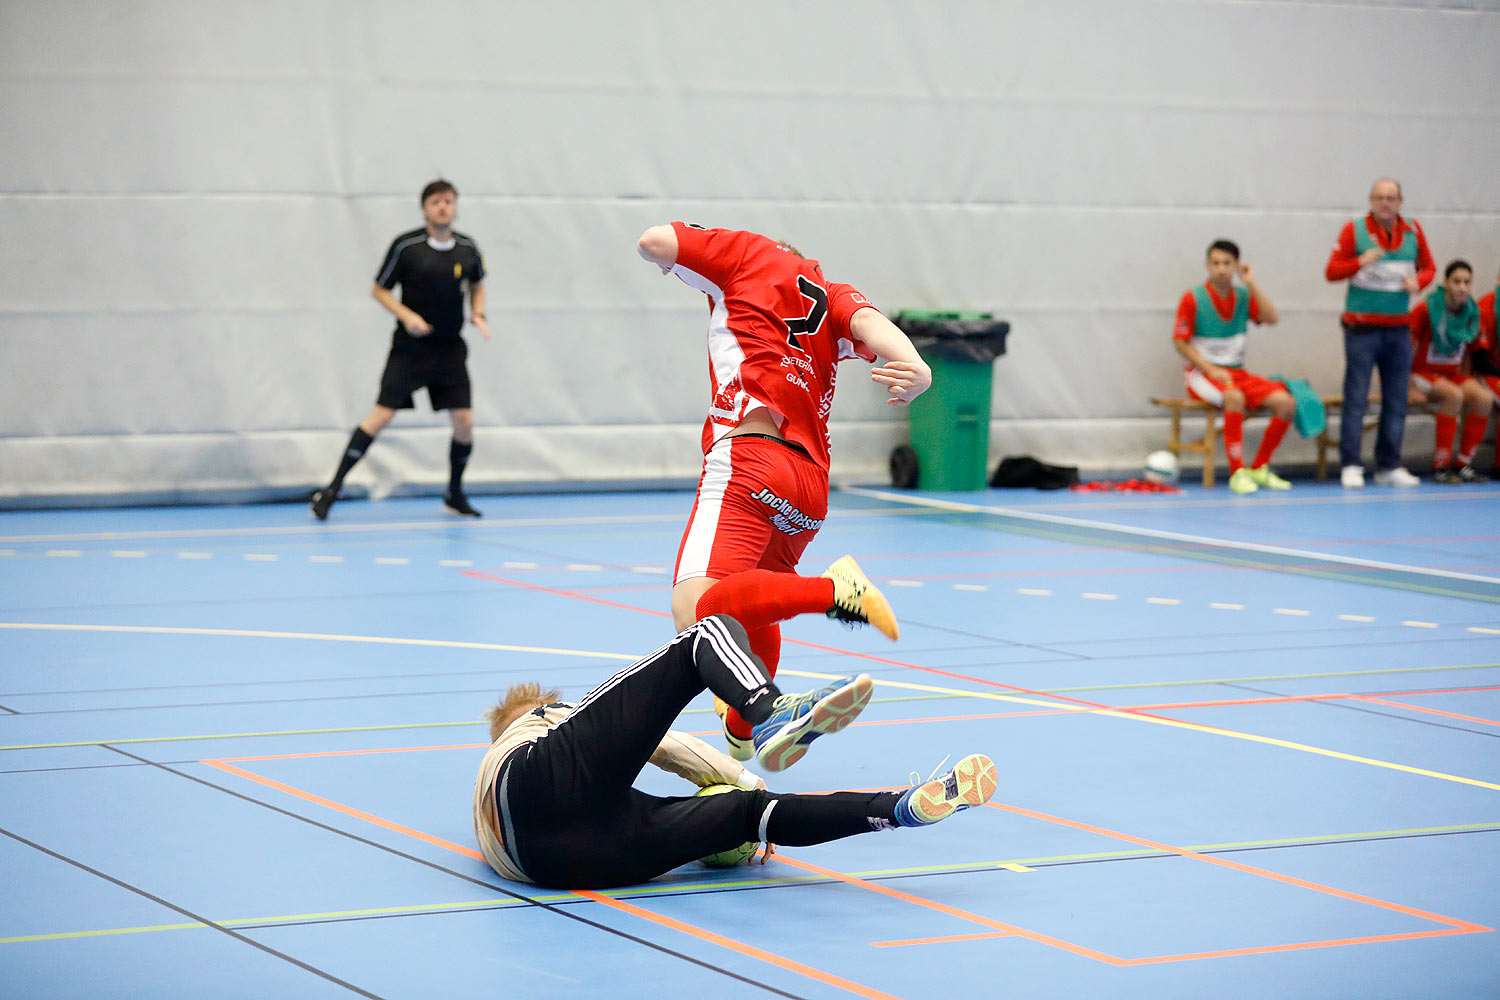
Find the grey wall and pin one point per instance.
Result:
(195, 197)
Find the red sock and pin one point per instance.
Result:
(1275, 431)
(760, 597)
(1447, 427)
(765, 642)
(1234, 439)
(1474, 428)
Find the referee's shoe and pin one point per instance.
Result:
(455, 503)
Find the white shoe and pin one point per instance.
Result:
(1395, 477)
(1353, 477)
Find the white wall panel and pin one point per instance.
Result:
(196, 196)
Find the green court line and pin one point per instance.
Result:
(508, 902)
(705, 711)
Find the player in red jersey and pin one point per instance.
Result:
(1486, 356)
(777, 329)
(1445, 334)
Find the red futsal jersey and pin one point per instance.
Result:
(777, 329)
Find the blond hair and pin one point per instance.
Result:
(520, 699)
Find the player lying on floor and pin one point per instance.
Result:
(554, 803)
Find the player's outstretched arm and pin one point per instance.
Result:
(904, 374)
(659, 245)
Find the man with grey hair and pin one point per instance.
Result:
(1385, 259)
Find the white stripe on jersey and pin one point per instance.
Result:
(725, 355)
(698, 546)
(390, 262)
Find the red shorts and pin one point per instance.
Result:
(1423, 376)
(760, 501)
(1255, 387)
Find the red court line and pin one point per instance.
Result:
(1457, 926)
(771, 958)
(1433, 711)
(953, 911)
(1155, 845)
(941, 940)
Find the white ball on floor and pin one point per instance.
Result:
(1162, 467)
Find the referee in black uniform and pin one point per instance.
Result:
(433, 265)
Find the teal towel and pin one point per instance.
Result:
(1310, 419)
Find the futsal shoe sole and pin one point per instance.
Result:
(971, 783)
(829, 714)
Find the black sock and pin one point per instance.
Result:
(458, 458)
(804, 820)
(359, 441)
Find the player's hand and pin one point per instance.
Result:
(1370, 256)
(1218, 376)
(482, 324)
(415, 325)
(766, 850)
(1247, 273)
(904, 380)
(1411, 284)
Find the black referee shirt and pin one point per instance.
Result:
(432, 281)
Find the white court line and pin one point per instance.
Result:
(1420, 624)
(1102, 597)
(1226, 607)
(195, 555)
(1356, 618)
(1291, 611)
(391, 560)
(1484, 631)
(455, 562)
(648, 569)
(969, 586)
(325, 559)
(519, 565)
(1034, 591)
(64, 553)
(584, 567)
(1175, 536)
(261, 557)
(7, 552)
(905, 583)
(1163, 600)
(323, 529)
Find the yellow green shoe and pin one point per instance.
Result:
(1263, 476)
(1243, 481)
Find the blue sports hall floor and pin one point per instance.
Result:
(1249, 747)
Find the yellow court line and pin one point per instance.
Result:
(985, 695)
(320, 636)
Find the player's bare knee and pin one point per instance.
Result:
(1234, 401)
(685, 598)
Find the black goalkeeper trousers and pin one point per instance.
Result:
(571, 819)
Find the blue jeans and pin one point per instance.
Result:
(1365, 347)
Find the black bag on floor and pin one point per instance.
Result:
(1025, 471)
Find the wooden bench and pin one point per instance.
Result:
(1208, 444)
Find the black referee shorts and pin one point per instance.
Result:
(439, 367)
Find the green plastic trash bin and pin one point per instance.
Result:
(950, 422)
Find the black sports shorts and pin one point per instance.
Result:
(439, 367)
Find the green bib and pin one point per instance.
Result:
(1378, 289)
(1451, 330)
(1221, 341)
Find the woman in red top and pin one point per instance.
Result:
(1444, 333)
